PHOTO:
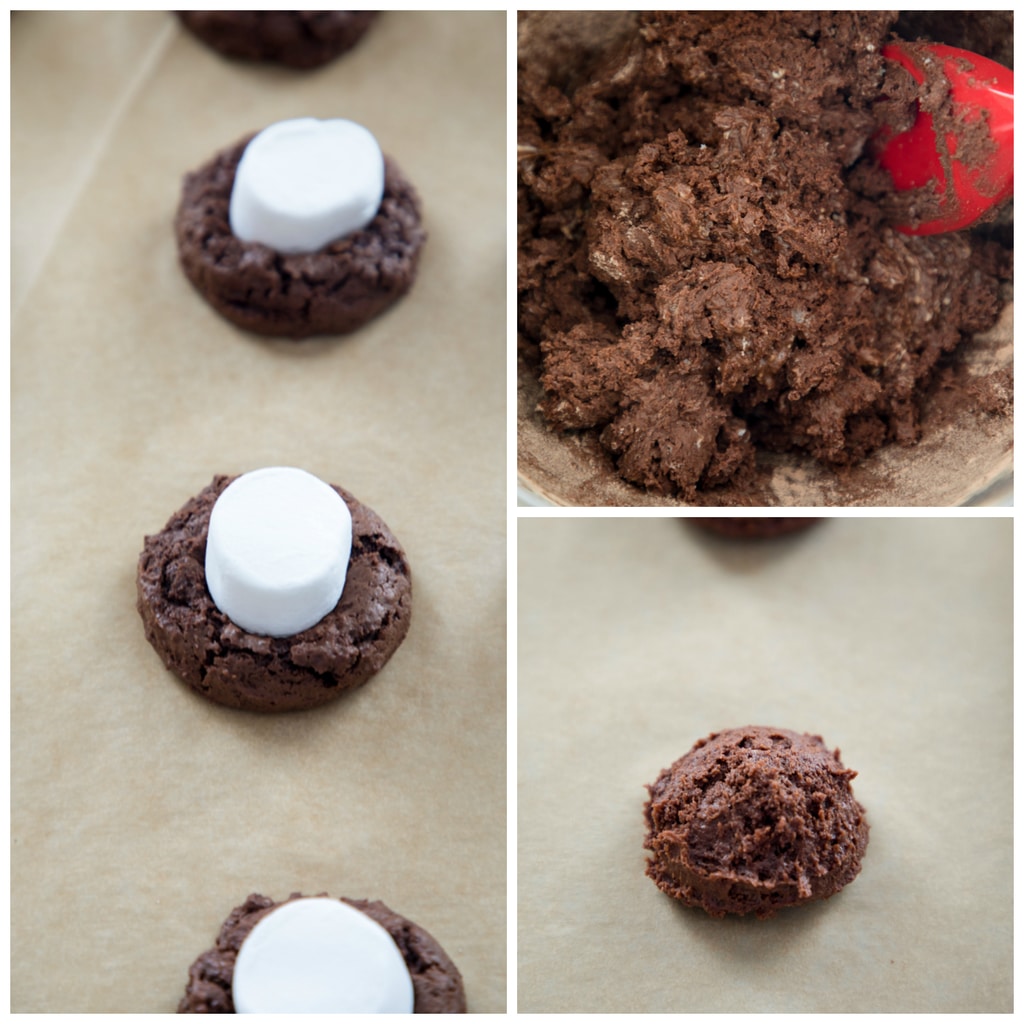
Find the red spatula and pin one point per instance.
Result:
(968, 185)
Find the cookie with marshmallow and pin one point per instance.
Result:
(321, 955)
(305, 228)
(274, 591)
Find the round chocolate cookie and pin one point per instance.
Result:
(437, 984)
(756, 526)
(223, 662)
(297, 39)
(332, 291)
(754, 819)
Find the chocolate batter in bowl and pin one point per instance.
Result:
(714, 305)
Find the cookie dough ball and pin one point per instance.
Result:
(757, 526)
(234, 666)
(436, 981)
(754, 819)
(296, 39)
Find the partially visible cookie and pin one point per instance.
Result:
(755, 526)
(436, 981)
(752, 820)
(331, 291)
(231, 666)
(297, 39)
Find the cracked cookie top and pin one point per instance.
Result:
(332, 291)
(239, 669)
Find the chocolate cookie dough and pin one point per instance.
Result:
(436, 982)
(223, 662)
(332, 291)
(752, 820)
(758, 526)
(297, 39)
(707, 268)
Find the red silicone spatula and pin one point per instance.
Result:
(980, 90)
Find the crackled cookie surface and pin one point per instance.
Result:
(333, 290)
(232, 666)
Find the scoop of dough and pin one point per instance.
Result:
(754, 819)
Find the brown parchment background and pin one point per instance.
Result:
(891, 638)
(140, 814)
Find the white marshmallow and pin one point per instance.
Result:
(303, 183)
(318, 955)
(277, 550)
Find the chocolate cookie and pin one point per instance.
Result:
(754, 819)
(297, 39)
(260, 673)
(332, 291)
(758, 526)
(437, 984)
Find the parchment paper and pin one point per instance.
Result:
(891, 638)
(140, 814)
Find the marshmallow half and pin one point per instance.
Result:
(304, 183)
(277, 550)
(318, 955)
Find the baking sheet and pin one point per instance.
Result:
(891, 638)
(140, 814)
